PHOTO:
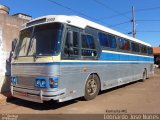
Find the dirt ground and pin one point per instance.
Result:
(138, 97)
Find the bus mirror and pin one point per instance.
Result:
(70, 38)
(14, 43)
(70, 50)
(70, 42)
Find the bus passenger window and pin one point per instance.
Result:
(112, 41)
(123, 44)
(107, 40)
(88, 42)
(135, 47)
(103, 39)
(150, 51)
(143, 49)
(88, 46)
(126, 45)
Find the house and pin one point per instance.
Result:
(10, 26)
(156, 53)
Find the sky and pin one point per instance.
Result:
(115, 14)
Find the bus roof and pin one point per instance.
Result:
(82, 23)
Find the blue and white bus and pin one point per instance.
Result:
(62, 57)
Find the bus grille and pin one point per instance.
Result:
(25, 81)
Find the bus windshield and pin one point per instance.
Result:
(41, 40)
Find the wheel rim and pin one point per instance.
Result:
(91, 86)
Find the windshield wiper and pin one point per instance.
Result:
(34, 56)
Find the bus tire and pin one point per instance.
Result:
(92, 87)
(144, 75)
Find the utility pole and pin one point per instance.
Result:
(134, 22)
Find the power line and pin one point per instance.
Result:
(104, 5)
(118, 14)
(78, 12)
(148, 31)
(147, 9)
(127, 12)
(148, 20)
(119, 24)
(112, 16)
(122, 29)
(75, 11)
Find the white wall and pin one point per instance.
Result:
(2, 55)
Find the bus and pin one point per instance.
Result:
(60, 57)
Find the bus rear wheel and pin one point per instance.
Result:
(92, 87)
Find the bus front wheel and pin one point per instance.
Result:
(92, 87)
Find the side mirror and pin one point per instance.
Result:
(70, 42)
(14, 43)
(70, 38)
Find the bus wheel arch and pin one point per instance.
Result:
(92, 86)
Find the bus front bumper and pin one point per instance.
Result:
(37, 95)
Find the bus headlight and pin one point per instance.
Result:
(53, 82)
(14, 80)
(38, 82)
(43, 83)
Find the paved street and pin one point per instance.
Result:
(137, 97)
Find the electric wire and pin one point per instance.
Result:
(104, 5)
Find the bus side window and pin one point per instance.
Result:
(88, 46)
(112, 41)
(107, 40)
(103, 39)
(150, 51)
(135, 47)
(124, 44)
(143, 49)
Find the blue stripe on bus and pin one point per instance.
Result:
(122, 57)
